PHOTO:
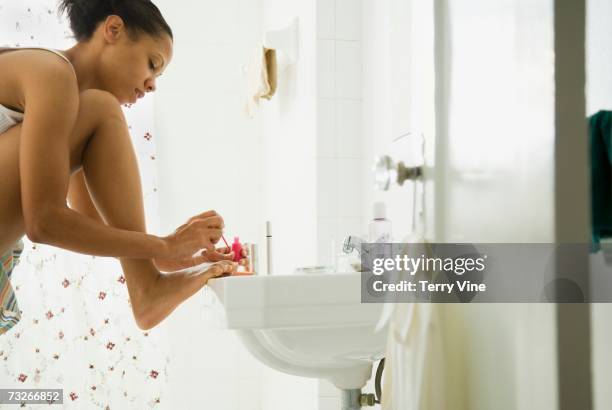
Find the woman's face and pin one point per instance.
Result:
(129, 67)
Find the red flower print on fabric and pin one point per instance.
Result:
(49, 314)
(110, 345)
(121, 279)
(73, 396)
(22, 377)
(101, 295)
(154, 374)
(148, 136)
(66, 283)
(60, 334)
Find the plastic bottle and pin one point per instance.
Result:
(380, 227)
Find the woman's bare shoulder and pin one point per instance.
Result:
(35, 62)
(23, 70)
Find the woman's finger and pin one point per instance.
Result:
(223, 249)
(215, 256)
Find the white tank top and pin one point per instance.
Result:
(9, 117)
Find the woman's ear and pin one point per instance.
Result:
(113, 28)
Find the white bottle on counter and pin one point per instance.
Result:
(380, 227)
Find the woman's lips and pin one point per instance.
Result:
(139, 94)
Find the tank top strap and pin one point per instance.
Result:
(4, 49)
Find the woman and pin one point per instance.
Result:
(63, 137)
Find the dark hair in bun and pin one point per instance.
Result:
(138, 16)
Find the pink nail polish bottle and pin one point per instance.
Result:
(237, 249)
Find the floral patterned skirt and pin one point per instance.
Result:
(9, 309)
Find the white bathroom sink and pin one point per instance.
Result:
(311, 325)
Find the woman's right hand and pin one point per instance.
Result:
(202, 231)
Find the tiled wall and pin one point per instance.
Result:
(209, 158)
(340, 158)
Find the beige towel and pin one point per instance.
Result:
(262, 78)
(414, 376)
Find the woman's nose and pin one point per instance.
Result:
(150, 85)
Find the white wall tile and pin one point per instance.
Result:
(326, 68)
(327, 243)
(350, 226)
(349, 129)
(348, 69)
(348, 19)
(329, 403)
(327, 389)
(327, 187)
(326, 128)
(326, 19)
(250, 394)
(350, 187)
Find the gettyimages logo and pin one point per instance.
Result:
(472, 273)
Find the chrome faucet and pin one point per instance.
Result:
(353, 243)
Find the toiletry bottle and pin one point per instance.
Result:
(237, 249)
(380, 227)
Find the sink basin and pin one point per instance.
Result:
(311, 325)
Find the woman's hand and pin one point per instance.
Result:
(224, 254)
(202, 231)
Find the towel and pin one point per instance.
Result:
(262, 78)
(414, 365)
(600, 142)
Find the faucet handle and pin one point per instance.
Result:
(352, 243)
(387, 171)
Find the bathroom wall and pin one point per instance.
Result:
(288, 166)
(362, 105)
(209, 157)
(339, 154)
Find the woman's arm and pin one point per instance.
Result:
(51, 105)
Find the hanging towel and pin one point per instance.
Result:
(262, 78)
(600, 143)
(414, 365)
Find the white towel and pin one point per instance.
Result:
(414, 366)
(261, 83)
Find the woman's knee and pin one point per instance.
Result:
(97, 108)
(100, 104)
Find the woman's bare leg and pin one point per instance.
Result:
(112, 176)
